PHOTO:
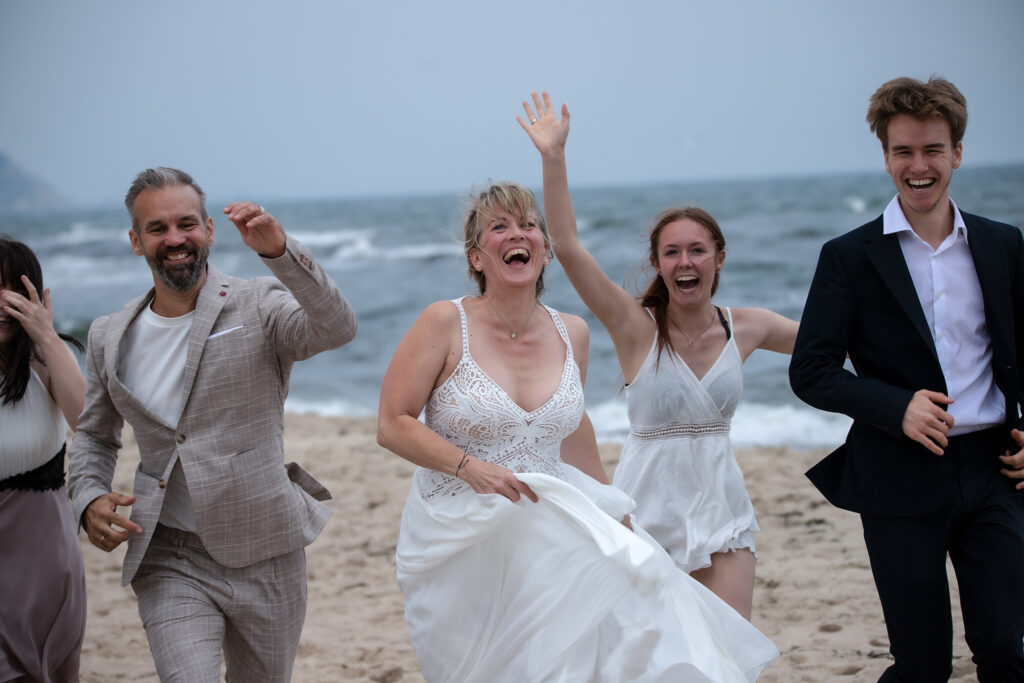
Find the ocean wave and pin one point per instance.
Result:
(365, 250)
(331, 408)
(754, 424)
(330, 238)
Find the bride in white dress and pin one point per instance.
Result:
(515, 558)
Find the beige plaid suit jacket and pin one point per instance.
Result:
(245, 336)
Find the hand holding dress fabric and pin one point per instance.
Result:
(487, 477)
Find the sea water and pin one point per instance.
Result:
(392, 256)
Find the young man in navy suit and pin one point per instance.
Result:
(928, 303)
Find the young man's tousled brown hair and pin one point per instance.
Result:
(937, 97)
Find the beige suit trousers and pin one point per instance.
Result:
(193, 608)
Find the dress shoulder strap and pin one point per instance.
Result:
(561, 330)
(462, 321)
(726, 325)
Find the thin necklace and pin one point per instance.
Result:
(512, 332)
(693, 341)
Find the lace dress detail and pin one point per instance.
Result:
(471, 411)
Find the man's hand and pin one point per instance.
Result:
(260, 231)
(100, 517)
(1015, 463)
(927, 423)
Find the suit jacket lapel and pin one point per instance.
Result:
(208, 308)
(885, 254)
(115, 333)
(112, 354)
(992, 277)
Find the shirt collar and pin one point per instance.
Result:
(893, 220)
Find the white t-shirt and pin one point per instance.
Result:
(152, 366)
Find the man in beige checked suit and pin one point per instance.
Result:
(199, 368)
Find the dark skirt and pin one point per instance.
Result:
(42, 587)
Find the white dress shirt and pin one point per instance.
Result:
(950, 295)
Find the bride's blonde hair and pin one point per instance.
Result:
(511, 198)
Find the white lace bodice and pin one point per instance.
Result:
(471, 411)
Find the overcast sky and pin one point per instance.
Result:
(268, 99)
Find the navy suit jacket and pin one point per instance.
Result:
(862, 302)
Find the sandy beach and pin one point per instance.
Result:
(814, 595)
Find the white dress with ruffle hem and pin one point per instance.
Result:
(677, 461)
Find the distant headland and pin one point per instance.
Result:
(21, 193)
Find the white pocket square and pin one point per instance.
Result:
(223, 332)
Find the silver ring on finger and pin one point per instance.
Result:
(533, 121)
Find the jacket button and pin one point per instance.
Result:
(162, 483)
(180, 438)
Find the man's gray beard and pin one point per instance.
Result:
(181, 279)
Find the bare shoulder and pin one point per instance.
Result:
(574, 325)
(761, 328)
(436, 331)
(440, 313)
(751, 316)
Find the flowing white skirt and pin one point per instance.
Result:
(559, 591)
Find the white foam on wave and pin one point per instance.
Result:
(329, 238)
(72, 272)
(855, 204)
(757, 424)
(754, 424)
(335, 408)
(365, 250)
(358, 245)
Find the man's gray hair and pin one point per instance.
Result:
(156, 178)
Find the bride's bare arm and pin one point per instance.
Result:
(423, 359)
(579, 449)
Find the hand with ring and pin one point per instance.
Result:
(100, 518)
(547, 131)
(260, 231)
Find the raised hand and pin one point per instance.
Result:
(34, 315)
(260, 231)
(544, 128)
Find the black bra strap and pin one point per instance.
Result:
(725, 323)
